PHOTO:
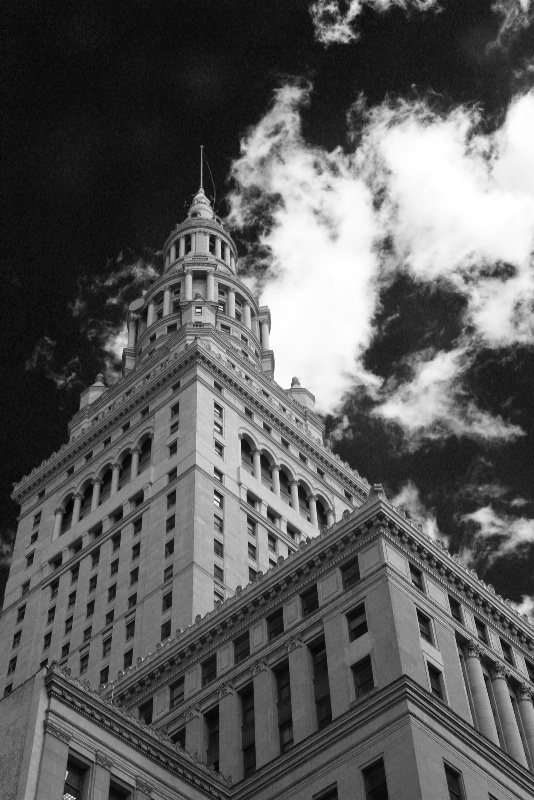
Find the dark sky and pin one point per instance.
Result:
(105, 106)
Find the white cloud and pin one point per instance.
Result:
(409, 499)
(432, 403)
(526, 606)
(42, 358)
(513, 532)
(334, 21)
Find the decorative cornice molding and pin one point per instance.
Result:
(55, 730)
(294, 643)
(143, 785)
(103, 760)
(226, 689)
(259, 666)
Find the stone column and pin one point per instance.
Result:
(246, 316)
(510, 730)
(334, 637)
(312, 502)
(256, 327)
(151, 313)
(136, 452)
(265, 714)
(195, 738)
(173, 252)
(230, 306)
(479, 693)
(275, 474)
(330, 518)
(181, 247)
(58, 519)
(167, 301)
(144, 789)
(302, 695)
(95, 499)
(256, 464)
(101, 777)
(294, 494)
(265, 343)
(210, 287)
(54, 757)
(132, 330)
(76, 508)
(217, 247)
(188, 285)
(226, 253)
(230, 753)
(232, 260)
(115, 471)
(526, 712)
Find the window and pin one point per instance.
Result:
(87, 634)
(41, 494)
(209, 670)
(132, 600)
(286, 736)
(456, 609)
(84, 663)
(116, 542)
(116, 516)
(146, 711)
(357, 622)
(218, 524)
(425, 627)
(218, 548)
(178, 737)
(310, 601)
(51, 615)
(95, 558)
(21, 613)
(454, 783)
(166, 602)
(436, 681)
(328, 794)
(130, 629)
(12, 666)
(165, 630)
(416, 577)
(303, 458)
(217, 598)
(68, 625)
(173, 448)
(114, 567)
(137, 526)
(167, 573)
(90, 610)
(16, 639)
(374, 778)
(175, 410)
(54, 589)
(219, 449)
(217, 387)
(92, 583)
(507, 652)
(37, 519)
(530, 670)
(218, 573)
(126, 426)
(252, 551)
(107, 442)
(172, 474)
(285, 443)
(218, 499)
(248, 413)
(128, 659)
(275, 624)
(74, 573)
(251, 527)
(72, 600)
(482, 631)
(348, 496)
(134, 576)
(217, 474)
(47, 640)
(34, 537)
(252, 574)
(241, 648)
(110, 616)
(106, 647)
(320, 473)
(177, 693)
(169, 548)
(104, 676)
(136, 551)
(272, 542)
(171, 499)
(29, 559)
(74, 781)
(56, 562)
(350, 574)
(267, 428)
(363, 677)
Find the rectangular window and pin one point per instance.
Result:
(136, 551)
(348, 496)
(114, 567)
(248, 413)
(90, 610)
(130, 629)
(72, 600)
(436, 681)
(285, 443)
(417, 578)
(104, 676)
(177, 693)
(209, 670)
(169, 548)
(303, 458)
(115, 542)
(166, 602)
(217, 427)
(252, 574)
(454, 783)
(47, 640)
(217, 387)
(171, 499)
(272, 542)
(173, 448)
(425, 627)
(107, 442)
(84, 663)
(29, 559)
(37, 519)
(374, 778)
(456, 609)
(275, 624)
(134, 576)
(530, 670)
(54, 589)
(74, 573)
(137, 526)
(92, 583)
(167, 573)
(310, 601)
(132, 600)
(357, 622)
(106, 647)
(241, 648)
(128, 659)
(218, 499)
(218, 548)
(87, 634)
(16, 639)
(21, 612)
(34, 537)
(328, 794)
(146, 711)
(251, 527)
(507, 652)
(217, 474)
(363, 677)
(165, 630)
(321, 686)
(51, 615)
(218, 524)
(252, 551)
(267, 428)
(95, 558)
(172, 475)
(68, 625)
(350, 574)
(218, 573)
(12, 666)
(112, 593)
(219, 449)
(175, 410)
(482, 631)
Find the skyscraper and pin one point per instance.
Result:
(205, 601)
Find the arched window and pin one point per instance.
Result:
(266, 477)
(304, 506)
(67, 515)
(125, 470)
(105, 486)
(285, 487)
(145, 455)
(321, 513)
(211, 244)
(247, 461)
(87, 496)
(188, 243)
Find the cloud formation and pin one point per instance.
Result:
(499, 533)
(409, 499)
(42, 359)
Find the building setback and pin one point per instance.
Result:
(204, 601)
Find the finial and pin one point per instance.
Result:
(201, 160)
(295, 382)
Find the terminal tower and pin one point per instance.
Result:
(205, 602)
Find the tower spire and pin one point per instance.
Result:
(201, 165)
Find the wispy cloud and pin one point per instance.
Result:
(409, 499)
(42, 360)
(498, 533)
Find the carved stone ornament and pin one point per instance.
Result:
(56, 731)
(293, 643)
(259, 666)
(524, 692)
(225, 689)
(144, 786)
(499, 671)
(191, 712)
(103, 760)
(472, 649)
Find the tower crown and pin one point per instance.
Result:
(201, 206)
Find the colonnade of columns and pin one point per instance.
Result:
(200, 244)
(485, 719)
(95, 497)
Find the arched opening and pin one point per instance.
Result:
(304, 506)
(247, 461)
(266, 477)
(145, 455)
(66, 521)
(285, 486)
(321, 513)
(188, 243)
(87, 496)
(105, 486)
(125, 472)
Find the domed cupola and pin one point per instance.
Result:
(201, 206)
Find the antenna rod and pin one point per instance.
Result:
(201, 160)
